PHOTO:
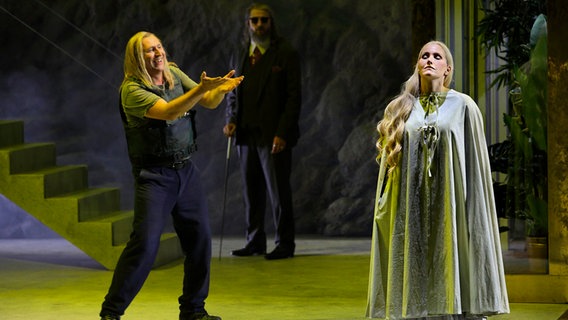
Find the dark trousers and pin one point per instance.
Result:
(160, 192)
(265, 174)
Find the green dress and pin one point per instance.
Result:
(436, 251)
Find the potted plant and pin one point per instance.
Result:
(527, 125)
(528, 133)
(525, 150)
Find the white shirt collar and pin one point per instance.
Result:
(261, 46)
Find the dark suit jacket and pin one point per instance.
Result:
(278, 96)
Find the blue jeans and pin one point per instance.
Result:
(161, 191)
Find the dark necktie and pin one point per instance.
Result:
(255, 56)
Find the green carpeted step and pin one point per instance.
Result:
(120, 224)
(11, 133)
(60, 198)
(53, 181)
(27, 157)
(90, 203)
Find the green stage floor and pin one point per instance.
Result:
(50, 279)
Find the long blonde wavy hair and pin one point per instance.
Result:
(391, 127)
(134, 64)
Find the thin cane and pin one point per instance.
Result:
(225, 194)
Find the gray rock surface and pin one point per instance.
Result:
(62, 67)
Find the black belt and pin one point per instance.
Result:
(176, 161)
(179, 164)
(164, 162)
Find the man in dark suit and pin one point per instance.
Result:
(263, 116)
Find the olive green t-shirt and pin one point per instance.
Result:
(137, 98)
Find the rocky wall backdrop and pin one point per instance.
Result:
(62, 65)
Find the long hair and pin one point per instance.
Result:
(134, 64)
(264, 7)
(391, 127)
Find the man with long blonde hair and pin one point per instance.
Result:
(157, 102)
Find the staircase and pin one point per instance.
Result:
(59, 197)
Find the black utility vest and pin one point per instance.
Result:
(159, 142)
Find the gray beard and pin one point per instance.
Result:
(259, 39)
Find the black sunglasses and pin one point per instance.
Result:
(254, 20)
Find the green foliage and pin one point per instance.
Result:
(533, 90)
(528, 129)
(505, 28)
(516, 32)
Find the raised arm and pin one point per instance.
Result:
(209, 93)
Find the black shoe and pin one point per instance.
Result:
(110, 317)
(280, 252)
(200, 316)
(249, 251)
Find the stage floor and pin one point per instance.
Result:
(50, 279)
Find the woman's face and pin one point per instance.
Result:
(432, 63)
(154, 55)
